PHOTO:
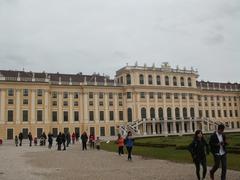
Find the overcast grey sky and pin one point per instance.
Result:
(103, 35)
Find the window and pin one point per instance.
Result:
(54, 94)
(158, 80)
(75, 103)
(129, 114)
(142, 95)
(10, 101)
(90, 103)
(65, 95)
(190, 96)
(177, 113)
(128, 77)
(65, 103)
(110, 95)
(100, 95)
(174, 81)
(112, 131)
(207, 113)
(159, 95)
(25, 92)
(160, 113)
(182, 81)
(230, 113)
(141, 79)
(25, 101)
(76, 116)
(75, 95)
(183, 96)
(189, 82)
(121, 115)
(39, 101)
(225, 113)
(219, 113)
(102, 131)
(39, 115)
(120, 103)
(110, 103)
(199, 98)
(101, 115)
(111, 115)
(54, 116)
(169, 113)
(150, 81)
(120, 95)
(166, 80)
(213, 114)
(91, 116)
(168, 95)
(192, 113)
(10, 115)
(25, 115)
(175, 95)
(54, 103)
(39, 92)
(65, 116)
(129, 95)
(236, 113)
(151, 95)
(10, 92)
(90, 95)
(200, 113)
(100, 103)
(143, 113)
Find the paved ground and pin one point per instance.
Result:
(37, 163)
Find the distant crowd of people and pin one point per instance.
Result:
(198, 148)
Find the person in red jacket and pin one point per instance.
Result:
(73, 137)
(120, 144)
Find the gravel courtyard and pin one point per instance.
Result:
(37, 163)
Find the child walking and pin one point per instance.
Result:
(120, 144)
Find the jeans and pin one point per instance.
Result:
(217, 160)
(202, 162)
(129, 149)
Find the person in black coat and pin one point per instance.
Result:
(30, 138)
(50, 140)
(59, 141)
(44, 138)
(20, 137)
(84, 138)
(218, 145)
(68, 137)
(198, 149)
(64, 141)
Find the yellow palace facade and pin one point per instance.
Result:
(146, 100)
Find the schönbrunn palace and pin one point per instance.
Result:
(145, 100)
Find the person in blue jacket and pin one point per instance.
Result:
(129, 144)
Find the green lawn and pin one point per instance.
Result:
(171, 153)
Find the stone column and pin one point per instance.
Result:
(144, 127)
(71, 113)
(96, 107)
(106, 105)
(46, 106)
(148, 107)
(115, 97)
(33, 106)
(2, 108)
(85, 109)
(189, 114)
(18, 106)
(196, 112)
(181, 113)
(165, 129)
(60, 107)
(173, 115)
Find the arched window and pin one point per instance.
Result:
(169, 113)
(160, 113)
(174, 81)
(177, 113)
(189, 82)
(192, 113)
(158, 80)
(128, 79)
(150, 79)
(166, 80)
(141, 79)
(143, 113)
(152, 113)
(129, 114)
(182, 81)
(185, 113)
